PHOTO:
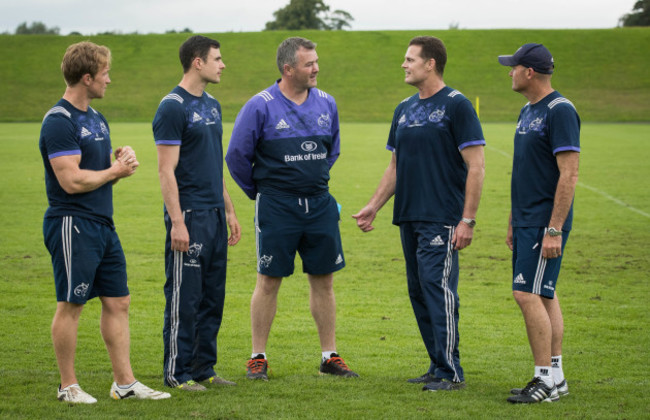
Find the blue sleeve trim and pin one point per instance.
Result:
(472, 143)
(566, 149)
(169, 142)
(390, 148)
(64, 153)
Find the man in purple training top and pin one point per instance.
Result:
(283, 144)
(544, 176)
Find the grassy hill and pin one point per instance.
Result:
(606, 73)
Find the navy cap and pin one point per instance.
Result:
(535, 56)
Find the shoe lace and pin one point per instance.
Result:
(338, 361)
(256, 365)
(530, 385)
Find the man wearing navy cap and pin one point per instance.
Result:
(544, 176)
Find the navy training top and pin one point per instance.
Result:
(427, 136)
(194, 124)
(544, 129)
(68, 131)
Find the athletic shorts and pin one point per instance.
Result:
(87, 259)
(530, 271)
(286, 224)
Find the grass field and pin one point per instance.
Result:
(603, 71)
(603, 289)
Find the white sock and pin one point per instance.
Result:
(545, 374)
(327, 354)
(558, 373)
(126, 386)
(253, 355)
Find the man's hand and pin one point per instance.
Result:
(126, 155)
(509, 240)
(462, 236)
(551, 246)
(365, 217)
(180, 237)
(235, 229)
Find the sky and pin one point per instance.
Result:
(213, 16)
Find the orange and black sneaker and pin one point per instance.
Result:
(336, 366)
(257, 367)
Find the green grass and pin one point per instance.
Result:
(603, 71)
(603, 287)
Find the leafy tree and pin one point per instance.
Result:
(640, 15)
(36, 28)
(308, 14)
(339, 19)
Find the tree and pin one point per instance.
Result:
(36, 28)
(308, 14)
(338, 19)
(640, 15)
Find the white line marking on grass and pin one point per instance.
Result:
(590, 188)
(614, 199)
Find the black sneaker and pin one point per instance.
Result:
(562, 389)
(336, 366)
(439, 384)
(257, 368)
(424, 379)
(534, 392)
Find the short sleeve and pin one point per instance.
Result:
(466, 127)
(60, 137)
(169, 123)
(564, 128)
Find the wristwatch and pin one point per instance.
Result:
(553, 232)
(470, 222)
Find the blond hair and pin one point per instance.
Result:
(84, 58)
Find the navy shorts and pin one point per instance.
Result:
(286, 224)
(530, 271)
(87, 259)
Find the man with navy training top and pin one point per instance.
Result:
(436, 173)
(78, 228)
(283, 144)
(544, 176)
(198, 213)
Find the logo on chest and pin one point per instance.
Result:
(324, 120)
(437, 116)
(309, 146)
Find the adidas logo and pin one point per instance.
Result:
(85, 132)
(520, 279)
(402, 119)
(437, 241)
(282, 125)
(339, 259)
(119, 396)
(196, 117)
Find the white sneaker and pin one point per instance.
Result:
(562, 388)
(137, 390)
(73, 394)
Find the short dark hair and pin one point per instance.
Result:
(196, 46)
(288, 49)
(432, 47)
